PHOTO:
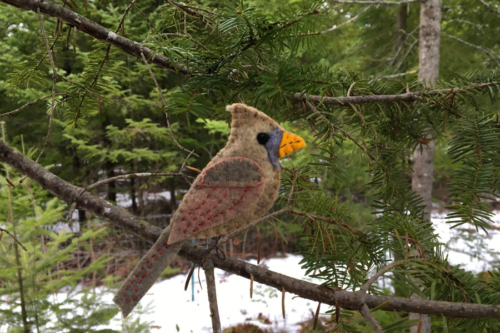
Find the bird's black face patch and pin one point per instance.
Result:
(262, 138)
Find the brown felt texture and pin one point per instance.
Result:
(240, 182)
(221, 193)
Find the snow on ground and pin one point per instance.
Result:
(475, 252)
(173, 307)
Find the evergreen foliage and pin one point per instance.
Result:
(110, 117)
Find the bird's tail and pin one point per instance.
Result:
(146, 273)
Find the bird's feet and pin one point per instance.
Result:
(215, 246)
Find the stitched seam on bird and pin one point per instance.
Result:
(159, 250)
(222, 174)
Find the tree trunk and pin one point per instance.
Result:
(423, 167)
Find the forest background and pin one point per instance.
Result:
(91, 111)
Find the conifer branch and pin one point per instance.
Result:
(165, 105)
(173, 34)
(96, 96)
(104, 60)
(97, 31)
(367, 99)
(122, 218)
(2, 230)
(5, 114)
(189, 10)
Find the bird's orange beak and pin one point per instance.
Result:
(290, 143)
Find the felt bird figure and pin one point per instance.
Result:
(237, 187)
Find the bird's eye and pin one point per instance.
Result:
(262, 138)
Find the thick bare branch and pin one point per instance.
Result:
(97, 31)
(122, 218)
(367, 99)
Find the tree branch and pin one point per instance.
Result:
(382, 271)
(165, 105)
(2, 230)
(365, 311)
(376, 2)
(489, 53)
(208, 266)
(493, 9)
(354, 18)
(319, 293)
(29, 104)
(366, 99)
(97, 31)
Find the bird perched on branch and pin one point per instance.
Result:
(237, 187)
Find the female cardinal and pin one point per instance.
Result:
(237, 187)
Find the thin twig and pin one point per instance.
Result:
(96, 77)
(365, 311)
(185, 36)
(253, 223)
(489, 53)
(208, 266)
(86, 89)
(151, 24)
(165, 105)
(130, 176)
(29, 104)
(397, 75)
(283, 292)
(403, 43)
(406, 56)
(191, 271)
(2, 230)
(54, 81)
(187, 9)
(251, 285)
(493, 9)
(368, 2)
(383, 270)
(316, 315)
(354, 18)
(342, 131)
(112, 179)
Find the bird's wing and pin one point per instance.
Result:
(223, 191)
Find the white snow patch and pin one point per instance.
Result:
(111, 35)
